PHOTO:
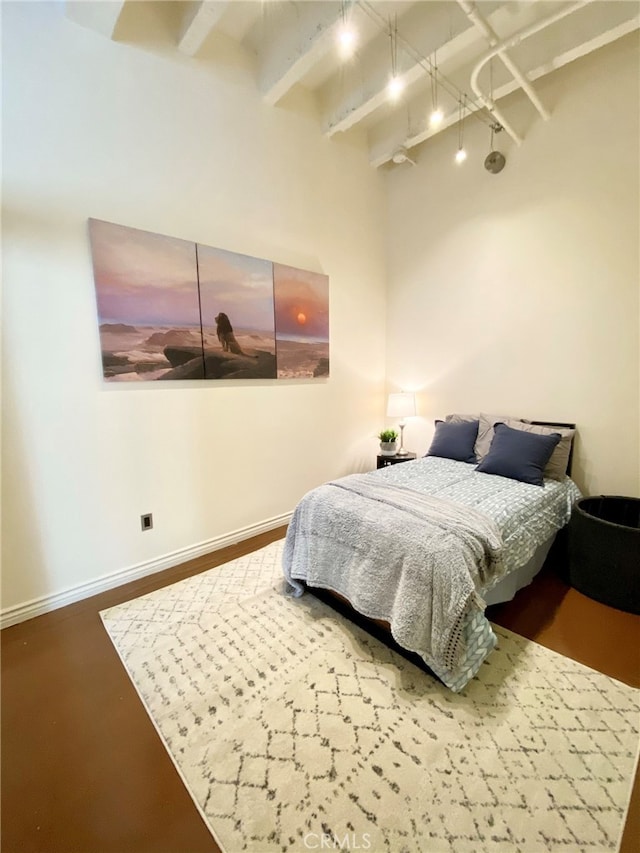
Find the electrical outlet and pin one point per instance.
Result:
(146, 521)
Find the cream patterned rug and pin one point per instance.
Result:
(293, 730)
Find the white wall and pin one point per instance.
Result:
(519, 292)
(93, 128)
(515, 292)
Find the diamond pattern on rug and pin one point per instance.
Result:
(289, 724)
(150, 619)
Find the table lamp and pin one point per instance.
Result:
(402, 405)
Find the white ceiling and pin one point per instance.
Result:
(295, 44)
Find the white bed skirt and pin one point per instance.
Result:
(518, 578)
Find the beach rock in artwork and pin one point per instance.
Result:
(187, 363)
(192, 369)
(229, 366)
(322, 367)
(146, 366)
(118, 370)
(117, 328)
(182, 355)
(110, 359)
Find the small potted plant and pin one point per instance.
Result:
(388, 439)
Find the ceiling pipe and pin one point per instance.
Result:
(499, 49)
(495, 112)
(481, 24)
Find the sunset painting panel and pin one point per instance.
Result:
(302, 322)
(171, 309)
(236, 299)
(148, 307)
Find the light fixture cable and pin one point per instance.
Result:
(393, 36)
(480, 111)
(461, 154)
(436, 113)
(491, 91)
(395, 83)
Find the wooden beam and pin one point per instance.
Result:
(199, 20)
(300, 37)
(101, 17)
(424, 25)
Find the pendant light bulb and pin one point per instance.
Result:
(346, 41)
(395, 87)
(461, 155)
(436, 117)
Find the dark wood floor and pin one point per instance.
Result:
(83, 770)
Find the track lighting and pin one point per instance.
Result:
(439, 83)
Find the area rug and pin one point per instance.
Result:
(294, 730)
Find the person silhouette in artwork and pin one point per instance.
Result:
(224, 330)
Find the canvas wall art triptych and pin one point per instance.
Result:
(173, 309)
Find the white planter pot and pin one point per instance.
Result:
(388, 448)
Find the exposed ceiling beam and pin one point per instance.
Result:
(431, 27)
(199, 20)
(293, 41)
(296, 46)
(101, 17)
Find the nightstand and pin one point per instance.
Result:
(383, 461)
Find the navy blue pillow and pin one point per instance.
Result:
(519, 455)
(455, 441)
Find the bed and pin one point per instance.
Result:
(424, 547)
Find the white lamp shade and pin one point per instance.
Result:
(401, 405)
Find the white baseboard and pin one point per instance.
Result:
(45, 603)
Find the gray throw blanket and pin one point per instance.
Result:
(395, 554)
